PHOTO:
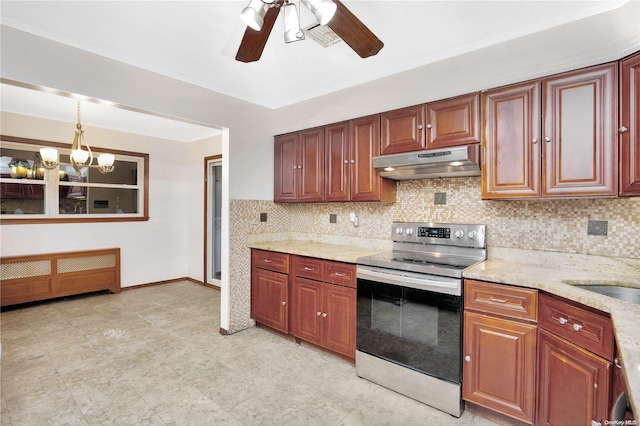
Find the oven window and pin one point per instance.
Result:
(415, 328)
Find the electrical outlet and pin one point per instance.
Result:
(333, 218)
(440, 198)
(263, 217)
(597, 227)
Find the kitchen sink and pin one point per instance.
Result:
(628, 294)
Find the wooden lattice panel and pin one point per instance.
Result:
(36, 268)
(86, 263)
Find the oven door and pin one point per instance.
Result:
(410, 325)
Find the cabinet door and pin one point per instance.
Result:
(364, 145)
(311, 172)
(270, 298)
(286, 162)
(500, 365)
(580, 136)
(307, 309)
(510, 143)
(339, 319)
(453, 122)
(402, 130)
(337, 162)
(630, 120)
(573, 384)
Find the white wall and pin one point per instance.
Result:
(153, 250)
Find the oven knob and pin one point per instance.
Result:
(409, 231)
(459, 234)
(473, 235)
(399, 230)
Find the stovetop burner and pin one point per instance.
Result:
(428, 248)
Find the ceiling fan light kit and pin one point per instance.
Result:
(253, 14)
(260, 15)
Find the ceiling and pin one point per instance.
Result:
(196, 42)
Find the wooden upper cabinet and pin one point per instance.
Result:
(630, 126)
(570, 152)
(299, 166)
(580, 135)
(453, 122)
(349, 174)
(511, 147)
(286, 167)
(337, 162)
(402, 130)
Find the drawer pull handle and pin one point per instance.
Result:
(563, 321)
(268, 261)
(577, 327)
(338, 274)
(306, 268)
(617, 363)
(493, 299)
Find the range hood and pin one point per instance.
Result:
(433, 163)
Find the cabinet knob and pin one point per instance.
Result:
(419, 126)
(467, 358)
(346, 161)
(534, 140)
(284, 303)
(324, 315)
(318, 313)
(577, 327)
(563, 321)
(622, 129)
(428, 126)
(353, 161)
(547, 139)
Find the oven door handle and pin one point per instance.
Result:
(449, 286)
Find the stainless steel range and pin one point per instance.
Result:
(409, 311)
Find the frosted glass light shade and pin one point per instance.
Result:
(106, 160)
(80, 156)
(291, 19)
(50, 155)
(253, 14)
(323, 10)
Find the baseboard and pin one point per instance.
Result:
(175, 280)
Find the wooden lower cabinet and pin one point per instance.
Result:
(573, 384)
(500, 365)
(270, 289)
(324, 314)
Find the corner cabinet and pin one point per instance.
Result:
(299, 166)
(552, 138)
(630, 126)
(349, 174)
(499, 349)
(270, 289)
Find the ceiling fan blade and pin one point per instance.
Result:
(356, 34)
(253, 41)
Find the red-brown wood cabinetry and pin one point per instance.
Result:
(402, 130)
(349, 174)
(299, 166)
(630, 126)
(323, 306)
(571, 151)
(270, 289)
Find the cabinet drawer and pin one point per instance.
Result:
(340, 273)
(580, 326)
(500, 299)
(270, 260)
(308, 267)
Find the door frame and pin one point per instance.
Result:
(207, 160)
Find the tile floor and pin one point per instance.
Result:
(153, 356)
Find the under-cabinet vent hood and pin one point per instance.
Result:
(433, 163)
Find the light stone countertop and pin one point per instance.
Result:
(556, 272)
(552, 272)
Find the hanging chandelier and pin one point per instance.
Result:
(80, 158)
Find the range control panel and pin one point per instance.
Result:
(453, 234)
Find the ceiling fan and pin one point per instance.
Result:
(260, 16)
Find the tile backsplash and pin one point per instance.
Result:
(548, 225)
